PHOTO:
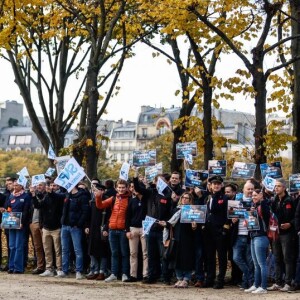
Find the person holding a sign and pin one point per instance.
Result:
(240, 239)
(260, 244)
(183, 259)
(216, 231)
(18, 201)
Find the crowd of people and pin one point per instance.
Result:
(97, 233)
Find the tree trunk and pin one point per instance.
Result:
(207, 126)
(259, 84)
(295, 11)
(91, 127)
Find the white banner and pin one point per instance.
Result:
(269, 183)
(160, 186)
(51, 153)
(49, 172)
(124, 171)
(22, 180)
(23, 172)
(70, 175)
(147, 224)
(37, 179)
(61, 161)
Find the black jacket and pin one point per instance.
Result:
(217, 214)
(51, 207)
(285, 212)
(76, 209)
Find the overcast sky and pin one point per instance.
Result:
(144, 81)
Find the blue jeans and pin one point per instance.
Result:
(154, 248)
(183, 275)
(118, 240)
(259, 247)
(98, 265)
(75, 235)
(16, 246)
(242, 257)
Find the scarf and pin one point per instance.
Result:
(17, 194)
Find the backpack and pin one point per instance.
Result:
(272, 229)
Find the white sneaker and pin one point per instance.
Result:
(79, 276)
(274, 287)
(47, 273)
(286, 288)
(125, 278)
(111, 278)
(61, 274)
(251, 289)
(259, 290)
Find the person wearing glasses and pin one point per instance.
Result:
(182, 259)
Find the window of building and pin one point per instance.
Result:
(122, 157)
(38, 150)
(162, 130)
(19, 140)
(18, 149)
(144, 132)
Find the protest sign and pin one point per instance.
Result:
(195, 178)
(71, 174)
(184, 149)
(251, 220)
(243, 170)
(144, 158)
(37, 179)
(61, 161)
(22, 180)
(269, 183)
(23, 172)
(11, 220)
(50, 172)
(51, 153)
(272, 170)
(124, 171)
(236, 209)
(294, 181)
(151, 172)
(161, 186)
(217, 167)
(193, 213)
(147, 224)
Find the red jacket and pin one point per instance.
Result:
(118, 210)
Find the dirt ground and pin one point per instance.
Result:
(36, 288)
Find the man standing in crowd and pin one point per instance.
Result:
(283, 248)
(117, 229)
(74, 218)
(241, 242)
(38, 194)
(50, 208)
(216, 230)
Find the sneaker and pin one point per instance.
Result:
(79, 276)
(259, 290)
(177, 284)
(274, 287)
(111, 278)
(61, 274)
(251, 289)
(125, 278)
(47, 273)
(286, 288)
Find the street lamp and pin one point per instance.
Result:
(223, 150)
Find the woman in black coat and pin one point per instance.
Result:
(182, 258)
